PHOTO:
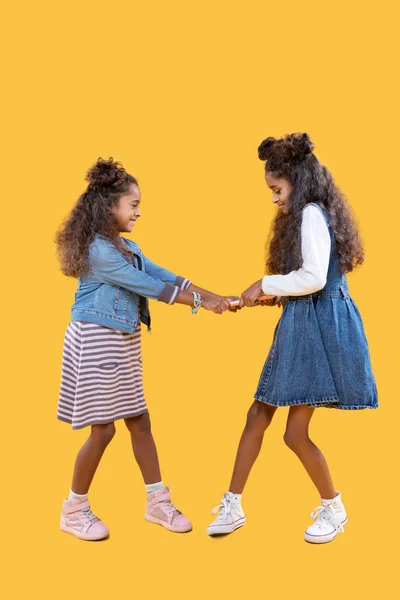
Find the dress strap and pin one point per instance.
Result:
(322, 210)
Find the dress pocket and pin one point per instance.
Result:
(108, 366)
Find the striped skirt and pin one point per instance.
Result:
(102, 378)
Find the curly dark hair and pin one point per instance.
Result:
(108, 180)
(291, 157)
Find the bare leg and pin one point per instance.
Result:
(296, 437)
(89, 456)
(258, 419)
(144, 447)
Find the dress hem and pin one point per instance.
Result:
(102, 422)
(324, 403)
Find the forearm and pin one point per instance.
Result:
(297, 283)
(203, 293)
(185, 297)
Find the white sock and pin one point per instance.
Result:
(78, 496)
(330, 499)
(237, 498)
(152, 487)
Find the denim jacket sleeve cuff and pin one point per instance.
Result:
(169, 293)
(182, 283)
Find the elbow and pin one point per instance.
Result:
(318, 283)
(315, 280)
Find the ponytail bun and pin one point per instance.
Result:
(290, 149)
(298, 145)
(106, 173)
(265, 148)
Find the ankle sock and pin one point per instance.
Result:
(237, 498)
(77, 496)
(329, 500)
(152, 487)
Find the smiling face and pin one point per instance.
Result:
(281, 189)
(127, 210)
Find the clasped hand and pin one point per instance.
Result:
(250, 297)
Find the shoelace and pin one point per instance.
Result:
(224, 509)
(88, 516)
(170, 508)
(327, 514)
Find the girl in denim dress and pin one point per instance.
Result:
(319, 354)
(101, 379)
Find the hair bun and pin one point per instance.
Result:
(298, 146)
(106, 173)
(292, 148)
(265, 148)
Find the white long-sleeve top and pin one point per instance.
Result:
(315, 250)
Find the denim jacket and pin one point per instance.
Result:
(109, 293)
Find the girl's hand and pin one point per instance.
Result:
(269, 301)
(250, 296)
(236, 306)
(217, 304)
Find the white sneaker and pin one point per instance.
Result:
(329, 519)
(230, 517)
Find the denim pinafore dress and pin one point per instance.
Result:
(319, 354)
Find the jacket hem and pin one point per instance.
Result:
(93, 316)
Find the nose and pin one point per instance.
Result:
(274, 199)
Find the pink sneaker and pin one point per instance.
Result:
(78, 519)
(160, 510)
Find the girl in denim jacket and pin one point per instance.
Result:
(319, 354)
(101, 365)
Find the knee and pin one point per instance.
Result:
(139, 425)
(259, 417)
(294, 439)
(104, 433)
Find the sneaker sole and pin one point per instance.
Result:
(323, 539)
(225, 529)
(83, 536)
(156, 521)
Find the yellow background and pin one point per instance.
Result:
(182, 93)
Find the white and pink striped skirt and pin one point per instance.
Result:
(102, 378)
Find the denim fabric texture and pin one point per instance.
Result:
(319, 354)
(109, 293)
